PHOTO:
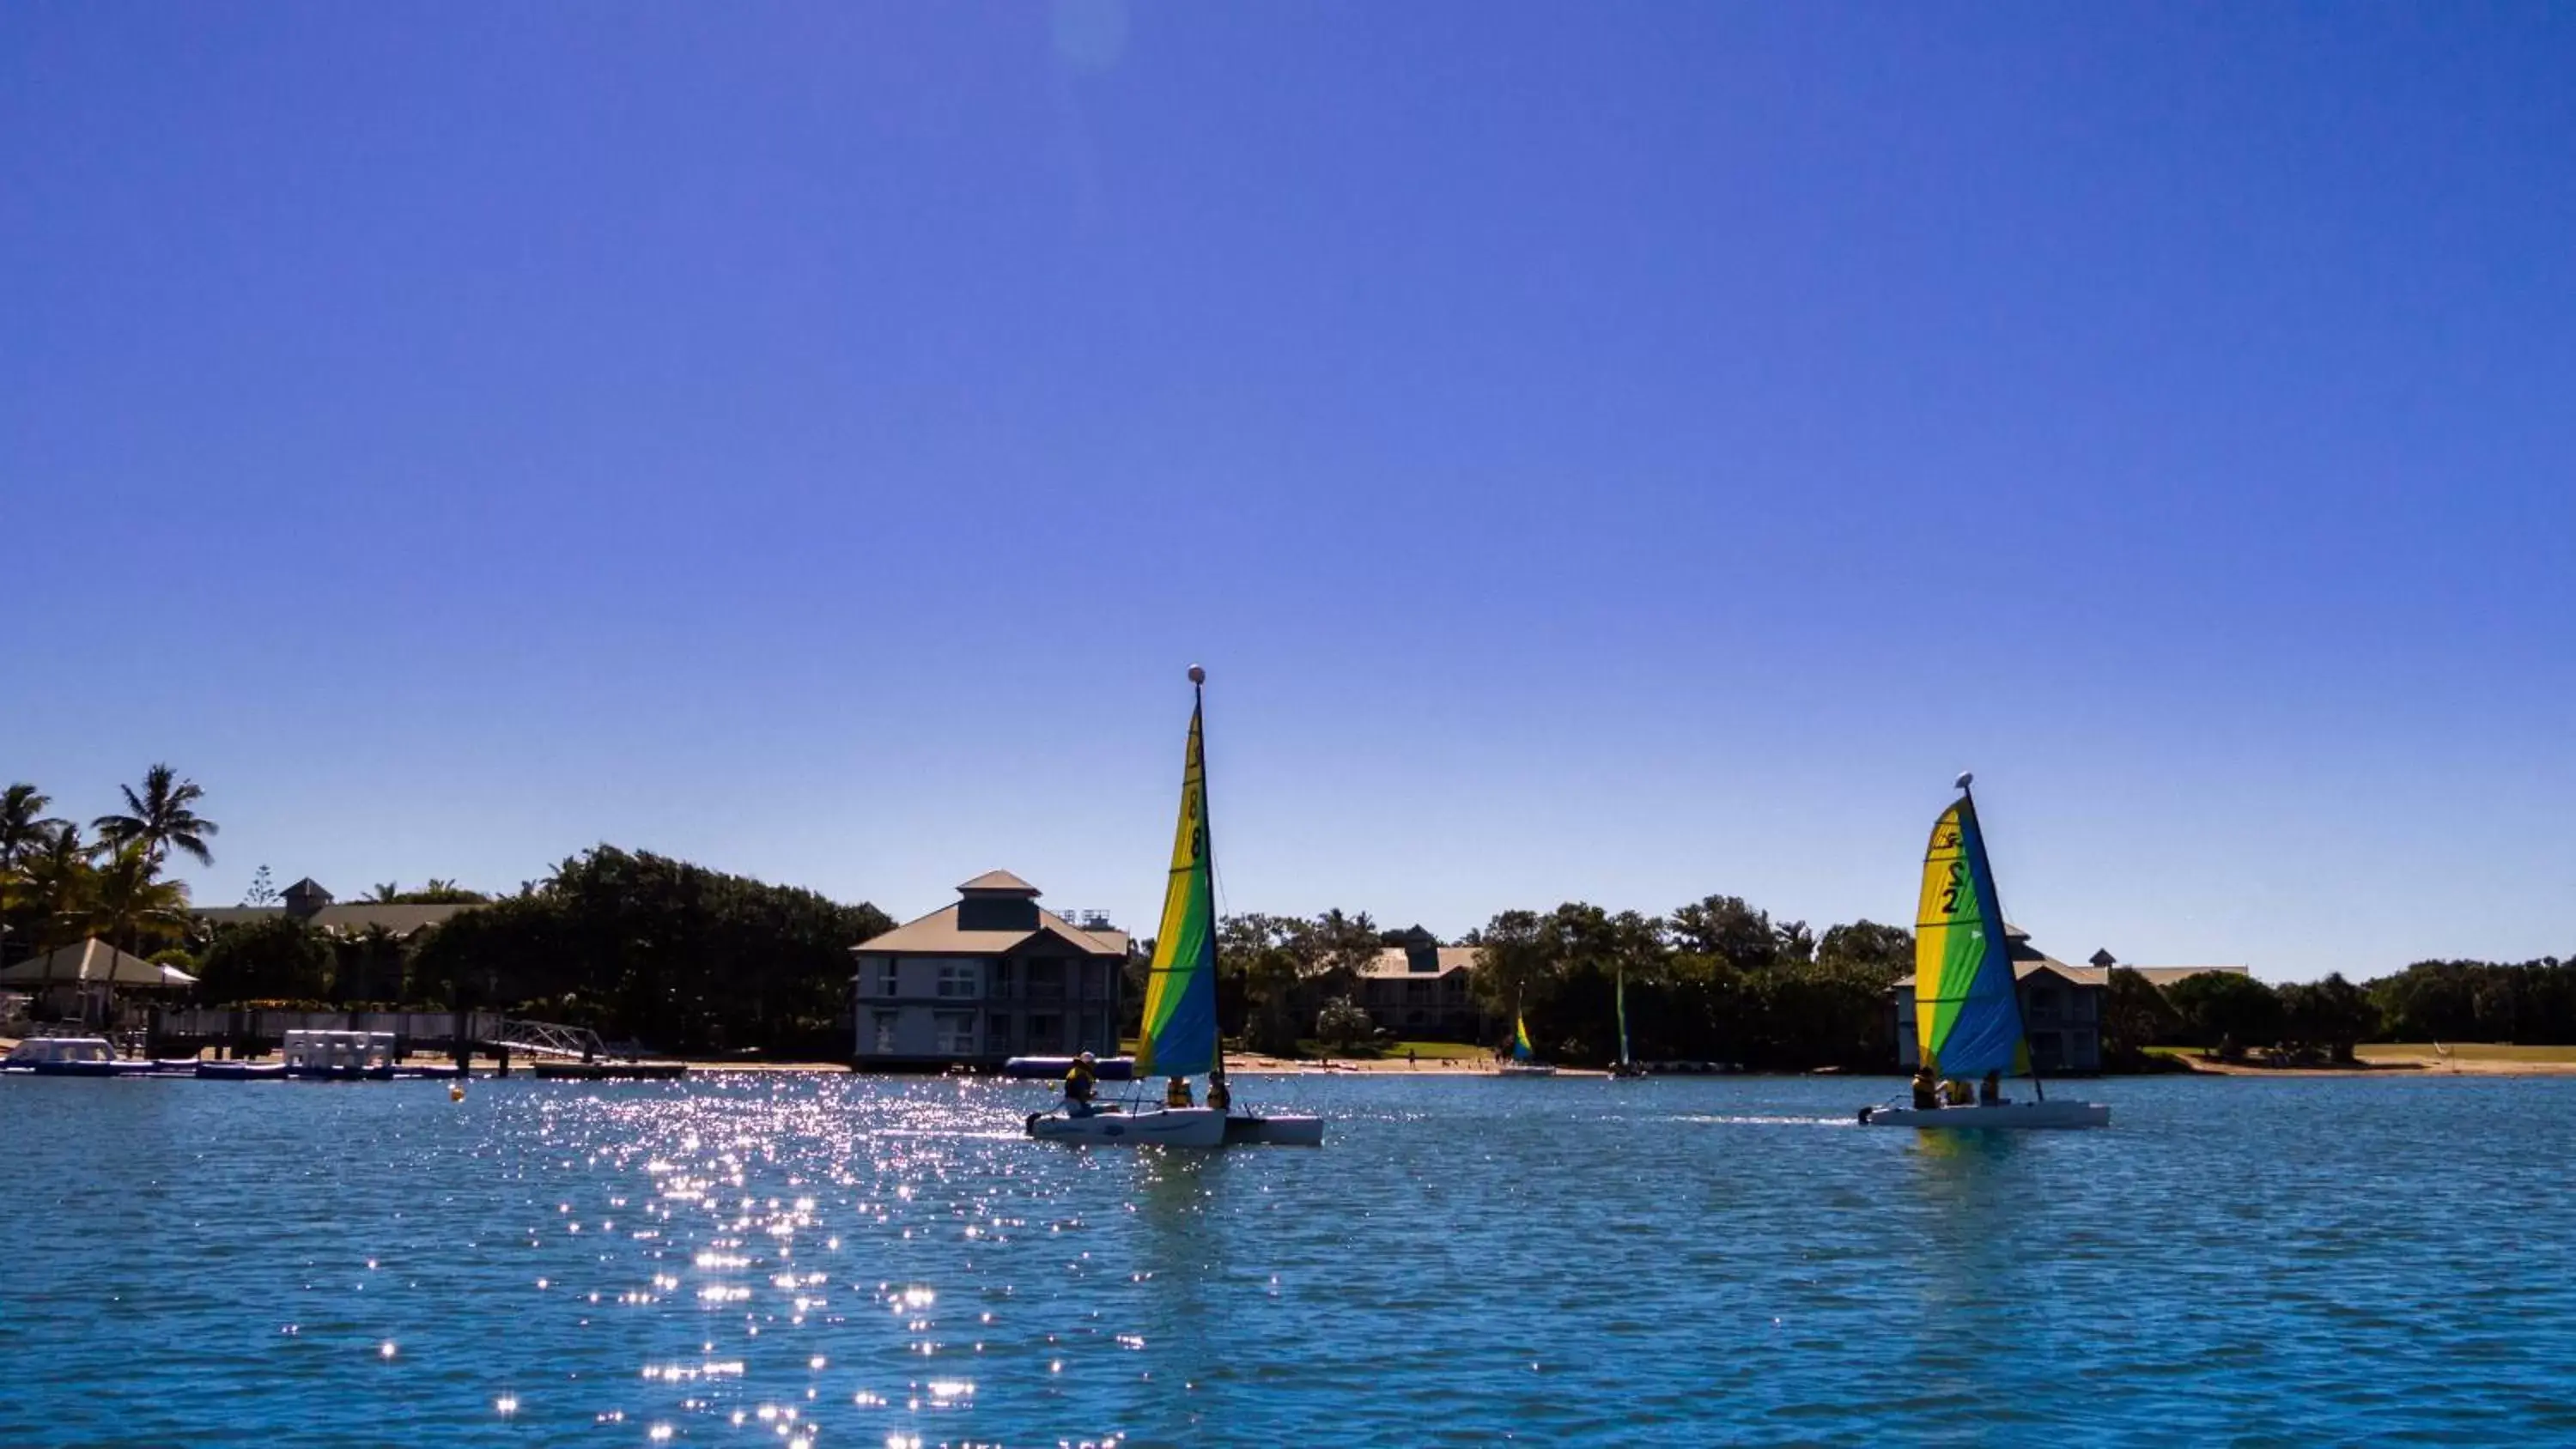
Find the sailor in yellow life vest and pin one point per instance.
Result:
(1078, 1083)
(1957, 1093)
(1927, 1089)
(1176, 1093)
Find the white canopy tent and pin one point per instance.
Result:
(93, 963)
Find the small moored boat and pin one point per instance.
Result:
(64, 1056)
(340, 1056)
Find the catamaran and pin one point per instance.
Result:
(1524, 1062)
(1180, 1029)
(1967, 1016)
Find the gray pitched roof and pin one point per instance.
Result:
(1001, 882)
(93, 962)
(2168, 975)
(938, 934)
(351, 919)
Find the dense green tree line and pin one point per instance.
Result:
(638, 946)
(1717, 980)
(686, 958)
(2532, 1003)
(642, 946)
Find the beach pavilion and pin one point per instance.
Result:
(69, 977)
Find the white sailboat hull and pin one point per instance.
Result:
(1274, 1130)
(1157, 1127)
(1525, 1069)
(2005, 1115)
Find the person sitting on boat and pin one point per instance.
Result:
(1957, 1093)
(1218, 1097)
(1990, 1092)
(1927, 1089)
(1176, 1093)
(1078, 1083)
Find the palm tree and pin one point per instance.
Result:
(22, 825)
(130, 898)
(160, 818)
(22, 820)
(58, 874)
(386, 893)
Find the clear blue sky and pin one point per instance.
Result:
(1620, 452)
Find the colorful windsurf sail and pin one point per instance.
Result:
(1180, 989)
(1966, 1017)
(1521, 1049)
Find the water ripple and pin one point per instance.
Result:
(823, 1261)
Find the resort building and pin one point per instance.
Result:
(1420, 990)
(986, 979)
(308, 902)
(363, 975)
(2061, 1005)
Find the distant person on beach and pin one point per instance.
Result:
(1078, 1084)
(1990, 1092)
(1176, 1093)
(1927, 1090)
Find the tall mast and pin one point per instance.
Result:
(1198, 707)
(2013, 978)
(1623, 1015)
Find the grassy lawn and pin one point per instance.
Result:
(2467, 1051)
(1427, 1051)
(1441, 1051)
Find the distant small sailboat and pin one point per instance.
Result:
(1624, 1067)
(1967, 1015)
(1524, 1062)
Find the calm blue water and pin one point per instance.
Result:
(838, 1261)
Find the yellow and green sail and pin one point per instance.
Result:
(1966, 1017)
(1180, 990)
(1521, 1049)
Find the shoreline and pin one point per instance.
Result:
(2373, 1064)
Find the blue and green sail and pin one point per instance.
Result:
(1966, 1016)
(1180, 989)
